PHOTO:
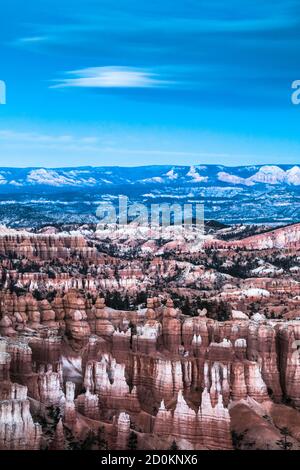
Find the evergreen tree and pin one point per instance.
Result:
(283, 443)
(102, 442)
(90, 442)
(174, 446)
(132, 441)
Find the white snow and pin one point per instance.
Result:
(238, 315)
(295, 269)
(49, 177)
(255, 292)
(266, 269)
(196, 177)
(53, 178)
(272, 174)
(257, 317)
(154, 179)
(172, 175)
(228, 178)
(105, 181)
(293, 176)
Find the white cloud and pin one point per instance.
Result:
(69, 149)
(45, 139)
(32, 39)
(112, 77)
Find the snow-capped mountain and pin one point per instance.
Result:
(234, 179)
(54, 178)
(293, 176)
(196, 174)
(268, 174)
(247, 194)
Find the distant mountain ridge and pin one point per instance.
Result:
(172, 175)
(257, 194)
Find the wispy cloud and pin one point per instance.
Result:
(69, 145)
(32, 39)
(38, 140)
(112, 77)
(61, 150)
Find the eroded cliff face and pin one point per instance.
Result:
(71, 367)
(158, 372)
(17, 428)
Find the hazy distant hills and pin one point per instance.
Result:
(157, 175)
(247, 194)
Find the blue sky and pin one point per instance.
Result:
(130, 82)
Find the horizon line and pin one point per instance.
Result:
(46, 167)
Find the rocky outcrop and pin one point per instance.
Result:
(88, 405)
(197, 426)
(58, 442)
(46, 387)
(79, 337)
(123, 431)
(176, 380)
(171, 328)
(70, 411)
(102, 326)
(289, 340)
(17, 429)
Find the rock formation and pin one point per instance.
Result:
(82, 348)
